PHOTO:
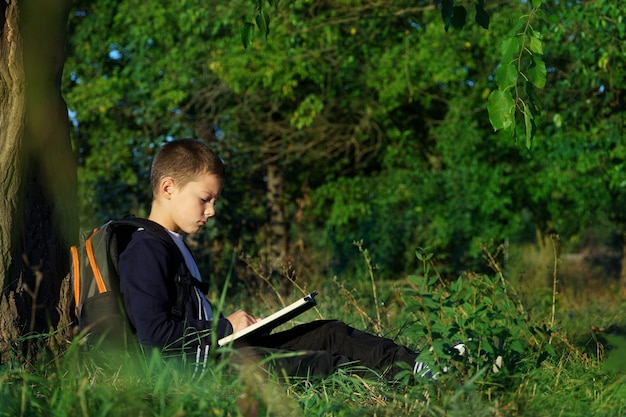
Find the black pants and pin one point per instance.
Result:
(319, 348)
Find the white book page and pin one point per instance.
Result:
(274, 320)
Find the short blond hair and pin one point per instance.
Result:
(183, 160)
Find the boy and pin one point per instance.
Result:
(187, 179)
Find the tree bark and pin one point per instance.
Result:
(38, 217)
(279, 233)
(622, 272)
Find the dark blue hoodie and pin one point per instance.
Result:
(147, 272)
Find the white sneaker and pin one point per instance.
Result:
(460, 348)
(497, 365)
(423, 370)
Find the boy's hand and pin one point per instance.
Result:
(240, 320)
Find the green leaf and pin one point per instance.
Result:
(487, 347)
(482, 17)
(263, 23)
(549, 349)
(459, 17)
(429, 303)
(535, 45)
(487, 280)
(246, 34)
(432, 280)
(456, 286)
(516, 346)
(510, 48)
(501, 109)
(439, 346)
(439, 328)
(533, 100)
(537, 72)
(414, 279)
(529, 124)
(447, 10)
(506, 76)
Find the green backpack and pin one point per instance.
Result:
(95, 279)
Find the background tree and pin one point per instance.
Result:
(576, 178)
(136, 76)
(39, 182)
(319, 100)
(314, 103)
(352, 121)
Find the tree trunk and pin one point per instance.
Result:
(622, 272)
(38, 216)
(279, 235)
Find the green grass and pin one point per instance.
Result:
(555, 365)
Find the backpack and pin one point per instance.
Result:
(95, 279)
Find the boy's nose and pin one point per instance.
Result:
(209, 211)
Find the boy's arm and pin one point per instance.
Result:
(147, 274)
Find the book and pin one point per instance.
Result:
(269, 323)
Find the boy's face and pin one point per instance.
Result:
(191, 205)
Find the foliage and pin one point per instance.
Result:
(121, 111)
(465, 197)
(261, 22)
(574, 179)
(585, 136)
(521, 71)
(545, 372)
(78, 385)
(522, 66)
(482, 313)
(375, 115)
(457, 15)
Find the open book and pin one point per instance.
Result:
(269, 323)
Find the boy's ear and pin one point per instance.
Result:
(166, 187)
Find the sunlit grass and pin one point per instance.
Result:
(583, 377)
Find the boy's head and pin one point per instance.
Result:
(186, 182)
(183, 160)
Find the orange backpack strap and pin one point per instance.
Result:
(76, 269)
(94, 266)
